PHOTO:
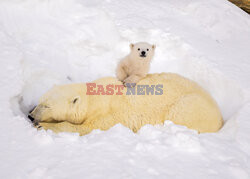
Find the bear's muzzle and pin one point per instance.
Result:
(35, 114)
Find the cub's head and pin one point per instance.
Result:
(142, 50)
(66, 102)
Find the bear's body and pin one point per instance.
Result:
(67, 108)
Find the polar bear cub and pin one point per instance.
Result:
(135, 66)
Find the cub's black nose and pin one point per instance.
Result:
(143, 53)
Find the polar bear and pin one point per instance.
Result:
(106, 102)
(135, 66)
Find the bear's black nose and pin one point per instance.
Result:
(31, 118)
(143, 53)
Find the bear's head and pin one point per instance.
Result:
(142, 51)
(60, 103)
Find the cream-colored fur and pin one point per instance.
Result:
(67, 108)
(134, 66)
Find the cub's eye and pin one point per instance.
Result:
(139, 49)
(147, 49)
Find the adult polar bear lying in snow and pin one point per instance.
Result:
(67, 108)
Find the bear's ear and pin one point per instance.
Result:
(75, 100)
(153, 47)
(131, 46)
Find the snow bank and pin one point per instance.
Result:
(43, 43)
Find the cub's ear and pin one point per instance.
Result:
(76, 100)
(131, 46)
(153, 47)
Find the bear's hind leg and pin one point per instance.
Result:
(196, 112)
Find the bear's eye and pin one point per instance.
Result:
(147, 49)
(139, 49)
(75, 100)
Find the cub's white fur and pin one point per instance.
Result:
(135, 66)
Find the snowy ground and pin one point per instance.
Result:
(46, 42)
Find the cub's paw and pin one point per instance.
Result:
(129, 85)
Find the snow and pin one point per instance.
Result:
(43, 43)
